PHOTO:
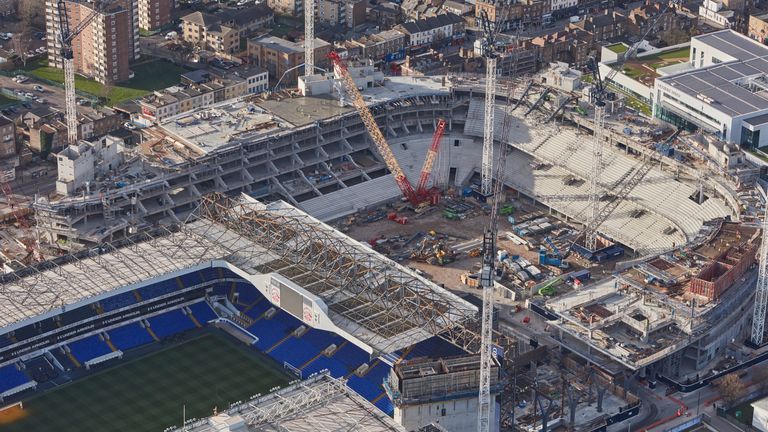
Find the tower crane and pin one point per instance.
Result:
(761, 290)
(487, 273)
(66, 36)
(373, 129)
(599, 94)
(309, 37)
(491, 55)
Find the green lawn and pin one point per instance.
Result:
(150, 75)
(633, 72)
(618, 48)
(148, 394)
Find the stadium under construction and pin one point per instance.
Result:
(227, 226)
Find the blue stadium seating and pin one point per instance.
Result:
(351, 356)
(158, 289)
(434, 347)
(190, 279)
(335, 368)
(5, 341)
(88, 348)
(365, 387)
(257, 310)
(66, 363)
(294, 351)
(10, 378)
(170, 323)
(247, 293)
(203, 312)
(385, 405)
(129, 336)
(118, 301)
(272, 330)
(322, 339)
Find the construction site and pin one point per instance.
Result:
(458, 252)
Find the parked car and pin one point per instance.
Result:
(39, 88)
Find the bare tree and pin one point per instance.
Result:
(104, 92)
(731, 388)
(20, 43)
(32, 13)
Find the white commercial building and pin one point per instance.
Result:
(725, 90)
(80, 163)
(760, 415)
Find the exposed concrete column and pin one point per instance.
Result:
(600, 395)
(572, 404)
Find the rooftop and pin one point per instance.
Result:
(375, 300)
(318, 404)
(286, 46)
(719, 82)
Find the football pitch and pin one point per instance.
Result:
(149, 393)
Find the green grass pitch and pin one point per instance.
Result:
(147, 394)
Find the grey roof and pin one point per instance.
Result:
(201, 18)
(757, 120)
(431, 23)
(718, 82)
(286, 46)
(242, 17)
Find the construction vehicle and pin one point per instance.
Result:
(554, 258)
(549, 289)
(423, 194)
(419, 195)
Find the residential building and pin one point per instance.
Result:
(105, 48)
(294, 8)
(347, 13)
(716, 13)
(386, 14)
(387, 45)
(419, 9)
(441, 62)
(282, 58)
(519, 60)
(520, 14)
(99, 123)
(154, 14)
(569, 46)
(457, 7)
(604, 27)
(561, 5)
(758, 27)
(723, 91)
(444, 28)
(221, 32)
(640, 18)
(202, 88)
(7, 137)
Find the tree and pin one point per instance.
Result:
(20, 43)
(32, 13)
(731, 388)
(104, 92)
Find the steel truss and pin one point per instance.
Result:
(402, 301)
(761, 290)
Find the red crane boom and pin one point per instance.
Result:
(373, 129)
(429, 162)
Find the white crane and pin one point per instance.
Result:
(761, 290)
(66, 36)
(309, 37)
(490, 54)
(599, 95)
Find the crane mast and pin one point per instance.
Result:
(761, 291)
(489, 52)
(373, 129)
(309, 37)
(66, 35)
(487, 272)
(597, 215)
